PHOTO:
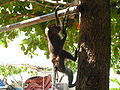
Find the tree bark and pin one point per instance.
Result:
(94, 45)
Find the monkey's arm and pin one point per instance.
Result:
(65, 23)
(64, 32)
(58, 21)
(63, 39)
(69, 56)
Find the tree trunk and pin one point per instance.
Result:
(94, 44)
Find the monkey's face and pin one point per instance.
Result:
(57, 29)
(54, 29)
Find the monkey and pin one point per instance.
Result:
(56, 44)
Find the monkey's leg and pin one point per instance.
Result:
(69, 56)
(69, 73)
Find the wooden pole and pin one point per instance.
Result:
(38, 19)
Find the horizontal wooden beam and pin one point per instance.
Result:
(38, 19)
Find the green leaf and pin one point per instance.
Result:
(116, 50)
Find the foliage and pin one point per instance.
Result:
(12, 11)
(8, 70)
(35, 38)
(32, 73)
(114, 88)
(115, 37)
(115, 80)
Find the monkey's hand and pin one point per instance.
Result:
(55, 61)
(76, 54)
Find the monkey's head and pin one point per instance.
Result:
(53, 29)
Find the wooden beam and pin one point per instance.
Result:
(36, 20)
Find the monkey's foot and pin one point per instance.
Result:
(71, 85)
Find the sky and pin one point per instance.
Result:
(14, 55)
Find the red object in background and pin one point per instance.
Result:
(39, 83)
(77, 26)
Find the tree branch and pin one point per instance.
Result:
(57, 2)
(36, 20)
(22, 15)
(7, 2)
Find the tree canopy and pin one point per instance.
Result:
(115, 34)
(13, 11)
